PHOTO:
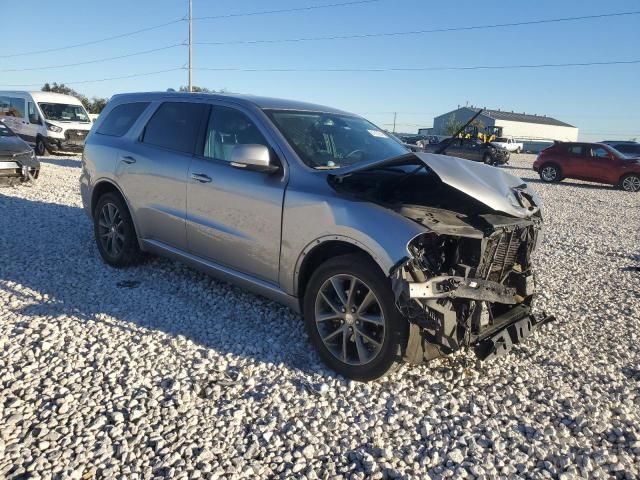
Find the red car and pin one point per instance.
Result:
(594, 162)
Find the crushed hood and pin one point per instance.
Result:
(491, 186)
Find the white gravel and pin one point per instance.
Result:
(161, 371)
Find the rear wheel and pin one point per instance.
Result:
(550, 173)
(487, 159)
(630, 183)
(114, 231)
(352, 320)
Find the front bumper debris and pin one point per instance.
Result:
(500, 342)
(459, 287)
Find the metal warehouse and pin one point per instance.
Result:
(522, 126)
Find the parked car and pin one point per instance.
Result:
(473, 149)
(509, 144)
(48, 121)
(17, 159)
(389, 255)
(595, 162)
(630, 149)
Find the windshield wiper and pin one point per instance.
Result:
(447, 142)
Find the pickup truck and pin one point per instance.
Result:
(508, 144)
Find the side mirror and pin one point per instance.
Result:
(252, 157)
(35, 119)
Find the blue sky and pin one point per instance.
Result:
(603, 101)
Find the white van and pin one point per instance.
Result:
(46, 120)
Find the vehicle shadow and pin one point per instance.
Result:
(49, 262)
(62, 162)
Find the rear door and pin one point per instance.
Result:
(152, 171)
(574, 160)
(33, 122)
(234, 216)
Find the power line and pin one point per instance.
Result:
(144, 52)
(417, 69)
(417, 32)
(100, 79)
(93, 42)
(286, 10)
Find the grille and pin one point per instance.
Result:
(75, 136)
(502, 253)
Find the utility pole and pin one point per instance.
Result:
(395, 115)
(190, 45)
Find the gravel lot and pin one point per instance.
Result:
(161, 371)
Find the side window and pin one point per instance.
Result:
(121, 118)
(33, 115)
(12, 107)
(175, 126)
(599, 152)
(227, 128)
(575, 150)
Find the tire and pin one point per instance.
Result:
(111, 217)
(550, 173)
(367, 338)
(41, 148)
(518, 150)
(487, 159)
(630, 182)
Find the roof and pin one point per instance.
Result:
(520, 117)
(40, 96)
(264, 103)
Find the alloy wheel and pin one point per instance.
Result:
(631, 183)
(549, 174)
(111, 229)
(349, 319)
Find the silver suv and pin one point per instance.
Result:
(389, 255)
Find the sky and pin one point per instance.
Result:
(603, 101)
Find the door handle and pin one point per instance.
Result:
(201, 177)
(128, 159)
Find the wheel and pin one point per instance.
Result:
(114, 231)
(518, 150)
(41, 148)
(487, 159)
(550, 173)
(352, 320)
(631, 183)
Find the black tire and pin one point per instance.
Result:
(518, 150)
(389, 351)
(630, 182)
(41, 148)
(124, 236)
(487, 159)
(550, 173)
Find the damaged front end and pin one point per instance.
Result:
(468, 281)
(473, 289)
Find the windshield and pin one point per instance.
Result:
(328, 141)
(6, 131)
(63, 112)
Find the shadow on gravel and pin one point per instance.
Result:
(62, 162)
(567, 183)
(47, 250)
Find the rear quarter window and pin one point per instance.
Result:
(121, 118)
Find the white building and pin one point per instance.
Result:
(521, 126)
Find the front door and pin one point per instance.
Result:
(153, 171)
(33, 123)
(234, 215)
(600, 165)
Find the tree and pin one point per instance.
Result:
(95, 105)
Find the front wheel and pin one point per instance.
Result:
(631, 183)
(352, 320)
(41, 148)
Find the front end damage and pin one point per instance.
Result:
(468, 280)
(470, 290)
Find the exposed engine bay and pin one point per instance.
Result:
(468, 280)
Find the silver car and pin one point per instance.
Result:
(389, 255)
